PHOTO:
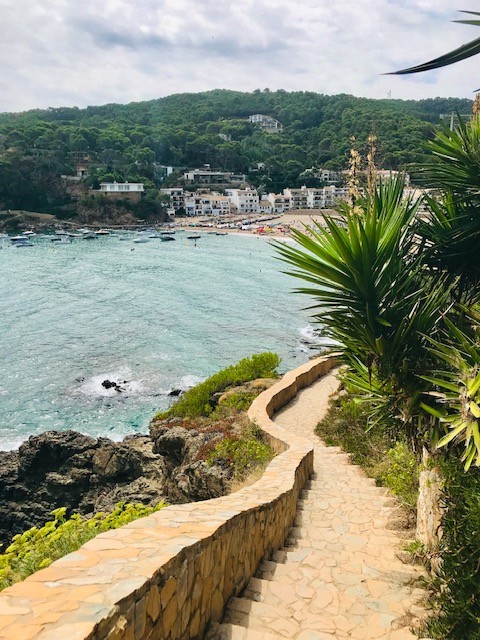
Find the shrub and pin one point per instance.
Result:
(243, 454)
(198, 400)
(37, 548)
(399, 472)
(235, 403)
(457, 585)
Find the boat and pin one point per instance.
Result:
(29, 234)
(193, 237)
(102, 232)
(221, 233)
(87, 234)
(141, 240)
(166, 238)
(63, 239)
(21, 241)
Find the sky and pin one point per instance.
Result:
(87, 52)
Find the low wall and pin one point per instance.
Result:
(169, 574)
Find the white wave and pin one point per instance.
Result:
(95, 389)
(309, 333)
(189, 381)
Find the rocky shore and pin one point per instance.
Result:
(88, 475)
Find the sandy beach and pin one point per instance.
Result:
(277, 226)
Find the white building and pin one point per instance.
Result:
(265, 206)
(267, 123)
(121, 187)
(316, 198)
(279, 202)
(244, 200)
(121, 190)
(298, 197)
(177, 197)
(207, 204)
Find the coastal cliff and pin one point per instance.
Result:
(88, 475)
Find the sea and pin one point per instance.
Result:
(151, 317)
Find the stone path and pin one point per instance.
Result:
(338, 575)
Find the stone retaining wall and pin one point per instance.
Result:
(168, 575)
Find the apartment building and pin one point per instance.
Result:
(298, 197)
(244, 200)
(206, 204)
(177, 197)
(279, 202)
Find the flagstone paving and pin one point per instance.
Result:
(338, 575)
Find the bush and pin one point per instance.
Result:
(457, 585)
(198, 400)
(38, 548)
(243, 455)
(235, 403)
(399, 472)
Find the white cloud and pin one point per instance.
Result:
(61, 52)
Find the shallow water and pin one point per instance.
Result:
(152, 317)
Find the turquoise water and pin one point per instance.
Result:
(153, 317)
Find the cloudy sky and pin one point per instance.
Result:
(82, 52)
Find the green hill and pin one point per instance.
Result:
(128, 142)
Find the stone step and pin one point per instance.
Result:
(227, 631)
(261, 616)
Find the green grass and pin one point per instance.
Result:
(37, 548)
(199, 401)
(244, 455)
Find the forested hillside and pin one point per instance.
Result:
(128, 142)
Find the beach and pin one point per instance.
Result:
(277, 226)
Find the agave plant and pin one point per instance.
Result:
(462, 53)
(456, 391)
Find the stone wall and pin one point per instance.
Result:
(170, 574)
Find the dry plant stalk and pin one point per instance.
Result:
(353, 173)
(371, 168)
(476, 105)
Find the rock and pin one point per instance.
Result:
(48, 451)
(84, 474)
(175, 392)
(197, 481)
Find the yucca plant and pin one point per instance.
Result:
(457, 55)
(456, 394)
(367, 279)
(451, 230)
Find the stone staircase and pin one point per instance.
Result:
(338, 575)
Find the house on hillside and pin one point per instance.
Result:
(122, 190)
(208, 177)
(267, 123)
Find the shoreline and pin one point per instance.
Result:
(292, 219)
